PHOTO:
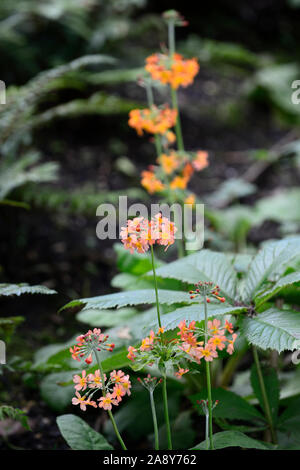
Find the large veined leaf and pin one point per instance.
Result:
(230, 406)
(205, 265)
(234, 439)
(285, 281)
(19, 289)
(270, 260)
(79, 435)
(274, 329)
(196, 312)
(106, 317)
(137, 297)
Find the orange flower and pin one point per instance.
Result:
(179, 182)
(208, 353)
(169, 162)
(201, 160)
(151, 183)
(180, 372)
(154, 120)
(188, 171)
(191, 199)
(174, 70)
(107, 401)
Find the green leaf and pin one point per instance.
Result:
(230, 406)
(205, 265)
(137, 297)
(289, 420)
(101, 318)
(285, 281)
(14, 413)
(272, 389)
(135, 263)
(79, 435)
(274, 329)
(19, 289)
(234, 439)
(55, 394)
(270, 260)
(196, 312)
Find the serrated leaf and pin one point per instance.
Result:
(273, 329)
(272, 389)
(137, 297)
(270, 260)
(19, 289)
(101, 318)
(79, 435)
(205, 265)
(196, 312)
(285, 281)
(225, 439)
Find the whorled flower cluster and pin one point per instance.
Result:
(88, 343)
(174, 171)
(189, 345)
(173, 70)
(113, 389)
(153, 120)
(140, 233)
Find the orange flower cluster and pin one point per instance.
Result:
(174, 70)
(113, 389)
(140, 233)
(174, 172)
(189, 345)
(197, 350)
(153, 121)
(88, 343)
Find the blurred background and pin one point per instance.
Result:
(70, 69)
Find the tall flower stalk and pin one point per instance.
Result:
(113, 422)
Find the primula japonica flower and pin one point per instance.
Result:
(174, 170)
(175, 71)
(151, 183)
(191, 340)
(206, 290)
(140, 233)
(113, 389)
(153, 120)
(90, 342)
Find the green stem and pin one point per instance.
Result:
(267, 408)
(109, 411)
(178, 121)
(154, 420)
(150, 100)
(155, 287)
(208, 381)
(166, 412)
(172, 49)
